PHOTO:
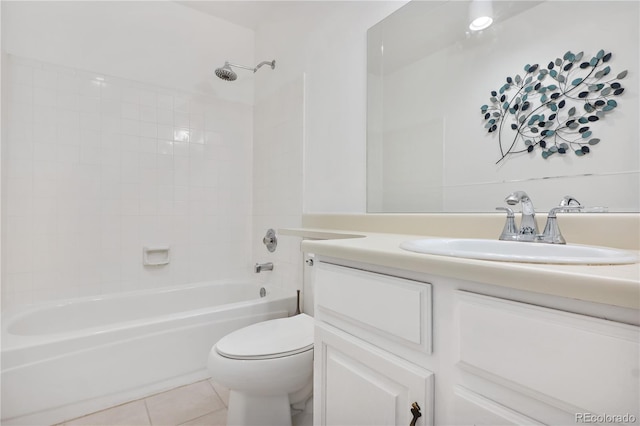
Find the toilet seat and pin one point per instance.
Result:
(269, 339)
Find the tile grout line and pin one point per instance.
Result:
(146, 407)
(203, 415)
(144, 401)
(209, 380)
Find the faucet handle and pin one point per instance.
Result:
(569, 200)
(567, 208)
(509, 232)
(551, 233)
(506, 209)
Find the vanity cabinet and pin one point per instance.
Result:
(573, 362)
(365, 324)
(498, 356)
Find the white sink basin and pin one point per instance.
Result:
(516, 251)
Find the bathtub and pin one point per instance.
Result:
(65, 359)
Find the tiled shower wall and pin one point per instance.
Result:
(278, 180)
(96, 167)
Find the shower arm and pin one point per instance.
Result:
(270, 63)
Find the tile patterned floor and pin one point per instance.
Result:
(202, 403)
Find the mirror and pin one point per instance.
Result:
(429, 75)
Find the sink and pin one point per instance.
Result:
(516, 251)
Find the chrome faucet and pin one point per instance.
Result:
(528, 226)
(551, 233)
(259, 267)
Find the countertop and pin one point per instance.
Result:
(617, 285)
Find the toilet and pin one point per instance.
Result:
(267, 367)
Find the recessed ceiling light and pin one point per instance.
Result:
(480, 23)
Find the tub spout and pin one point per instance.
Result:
(263, 267)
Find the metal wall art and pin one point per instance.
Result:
(553, 108)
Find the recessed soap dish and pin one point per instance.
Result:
(155, 256)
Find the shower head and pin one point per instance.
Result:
(226, 73)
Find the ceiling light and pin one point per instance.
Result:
(480, 15)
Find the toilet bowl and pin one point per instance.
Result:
(267, 367)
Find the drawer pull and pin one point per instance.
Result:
(415, 412)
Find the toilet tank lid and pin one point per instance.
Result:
(281, 336)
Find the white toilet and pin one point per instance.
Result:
(267, 367)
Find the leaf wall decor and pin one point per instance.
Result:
(548, 108)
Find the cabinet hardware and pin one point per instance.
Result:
(415, 412)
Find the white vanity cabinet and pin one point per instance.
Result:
(365, 323)
(573, 363)
(498, 356)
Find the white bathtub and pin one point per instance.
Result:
(70, 358)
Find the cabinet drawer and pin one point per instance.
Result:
(381, 309)
(574, 362)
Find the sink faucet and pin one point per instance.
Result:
(528, 226)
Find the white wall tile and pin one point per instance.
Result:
(21, 93)
(130, 127)
(130, 111)
(148, 113)
(44, 96)
(89, 104)
(148, 130)
(97, 169)
(181, 119)
(164, 116)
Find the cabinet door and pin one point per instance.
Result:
(358, 384)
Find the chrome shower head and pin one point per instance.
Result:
(226, 73)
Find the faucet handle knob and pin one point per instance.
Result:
(553, 211)
(509, 232)
(569, 200)
(506, 209)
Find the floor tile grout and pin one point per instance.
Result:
(201, 416)
(217, 393)
(145, 399)
(146, 408)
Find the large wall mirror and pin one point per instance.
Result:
(429, 148)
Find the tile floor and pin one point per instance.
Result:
(202, 403)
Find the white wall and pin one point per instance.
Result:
(115, 142)
(328, 42)
(309, 131)
(2, 127)
(158, 42)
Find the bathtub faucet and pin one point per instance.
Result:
(263, 267)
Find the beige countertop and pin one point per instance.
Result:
(617, 285)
